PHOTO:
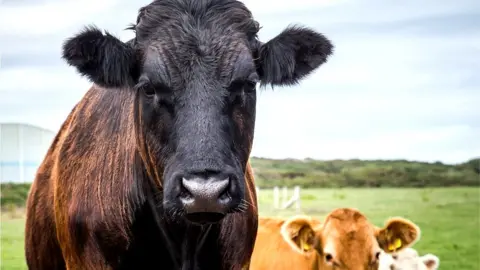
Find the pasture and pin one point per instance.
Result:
(449, 219)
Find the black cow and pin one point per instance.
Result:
(150, 169)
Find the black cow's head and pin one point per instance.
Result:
(195, 65)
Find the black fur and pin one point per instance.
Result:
(103, 59)
(292, 55)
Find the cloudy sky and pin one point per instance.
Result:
(403, 82)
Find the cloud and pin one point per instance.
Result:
(430, 144)
(259, 8)
(50, 119)
(18, 59)
(382, 19)
(376, 12)
(46, 79)
(18, 19)
(319, 114)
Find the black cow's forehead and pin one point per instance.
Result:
(222, 58)
(185, 38)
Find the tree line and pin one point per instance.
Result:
(309, 173)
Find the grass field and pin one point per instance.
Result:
(449, 219)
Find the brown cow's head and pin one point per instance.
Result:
(194, 65)
(347, 240)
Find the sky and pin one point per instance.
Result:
(402, 83)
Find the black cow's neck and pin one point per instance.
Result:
(174, 245)
(193, 241)
(162, 242)
(168, 242)
(195, 247)
(168, 238)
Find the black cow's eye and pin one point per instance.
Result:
(148, 90)
(249, 86)
(145, 88)
(251, 83)
(235, 87)
(246, 86)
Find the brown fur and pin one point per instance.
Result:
(87, 188)
(345, 234)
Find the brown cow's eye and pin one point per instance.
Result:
(328, 257)
(377, 256)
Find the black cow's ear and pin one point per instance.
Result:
(292, 55)
(102, 58)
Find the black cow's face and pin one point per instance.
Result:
(199, 110)
(195, 65)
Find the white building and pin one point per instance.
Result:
(22, 149)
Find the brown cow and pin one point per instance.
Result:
(344, 240)
(160, 143)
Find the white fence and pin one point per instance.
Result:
(283, 200)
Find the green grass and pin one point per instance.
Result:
(449, 219)
(11, 234)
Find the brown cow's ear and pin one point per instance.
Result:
(398, 234)
(431, 261)
(299, 233)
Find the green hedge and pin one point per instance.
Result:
(13, 194)
(364, 173)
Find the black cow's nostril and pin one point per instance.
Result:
(185, 194)
(224, 195)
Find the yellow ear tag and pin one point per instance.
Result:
(304, 245)
(395, 245)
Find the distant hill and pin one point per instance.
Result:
(364, 173)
